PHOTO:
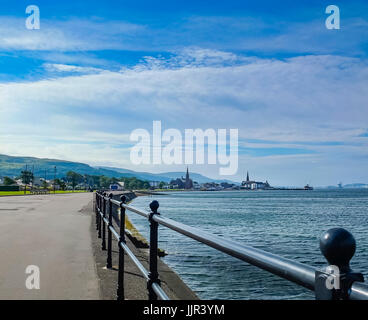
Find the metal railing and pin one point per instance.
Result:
(338, 282)
(39, 191)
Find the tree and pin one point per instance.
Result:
(133, 183)
(145, 185)
(93, 181)
(74, 178)
(60, 183)
(8, 181)
(27, 177)
(44, 184)
(105, 182)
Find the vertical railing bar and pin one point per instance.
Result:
(120, 289)
(96, 210)
(103, 223)
(99, 216)
(153, 274)
(109, 236)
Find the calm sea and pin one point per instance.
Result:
(287, 223)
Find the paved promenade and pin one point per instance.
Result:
(53, 233)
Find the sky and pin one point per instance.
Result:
(97, 70)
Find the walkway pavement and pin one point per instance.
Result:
(53, 233)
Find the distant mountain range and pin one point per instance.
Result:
(12, 166)
(351, 186)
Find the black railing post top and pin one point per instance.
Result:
(154, 206)
(111, 195)
(338, 246)
(123, 198)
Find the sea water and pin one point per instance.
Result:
(286, 223)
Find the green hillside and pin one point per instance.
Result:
(12, 166)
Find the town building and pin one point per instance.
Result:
(196, 186)
(154, 184)
(188, 182)
(211, 186)
(254, 185)
(182, 183)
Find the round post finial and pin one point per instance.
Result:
(338, 246)
(154, 205)
(123, 198)
(111, 195)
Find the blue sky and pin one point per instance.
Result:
(96, 70)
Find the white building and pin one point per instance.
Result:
(254, 185)
(118, 186)
(196, 185)
(154, 184)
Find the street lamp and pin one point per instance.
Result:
(54, 179)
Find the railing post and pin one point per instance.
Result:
(99, 215)
(96, 209)
(153, 272)
(103, 224)
(109, 235)
(120, 290)
(338, 246)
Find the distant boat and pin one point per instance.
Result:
(308, 187)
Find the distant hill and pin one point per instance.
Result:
(348, 186)
(12, 166)
(355, 185)
(166, 176)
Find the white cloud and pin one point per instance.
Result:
(69, 35)
(56, 67)
(304, 99)
(252, 34)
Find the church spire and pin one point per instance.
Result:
(188, 182)
(247, 176)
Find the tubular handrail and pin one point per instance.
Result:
(359, 291)
(285, 268)
(299, 273)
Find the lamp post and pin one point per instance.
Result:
(54, 179)
(25, 181)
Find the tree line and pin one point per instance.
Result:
(73, 179)
(104, 182)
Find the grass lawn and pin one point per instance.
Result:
(12, 193)
(21, 193)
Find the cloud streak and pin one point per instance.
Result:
(257, 35)
(292, 102)
(69, 35)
